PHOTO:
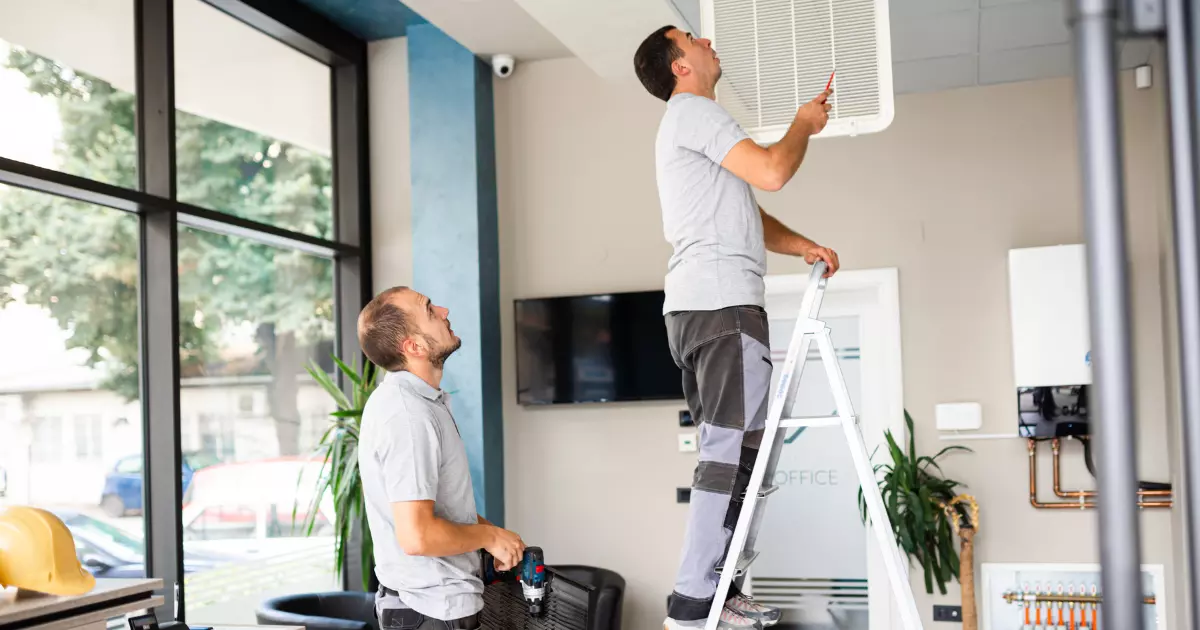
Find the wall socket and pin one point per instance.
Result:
(947, 613)
(683, 495)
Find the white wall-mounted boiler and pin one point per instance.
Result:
(1052, 366)
(1048, 301)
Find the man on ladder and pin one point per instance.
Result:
(714, 310)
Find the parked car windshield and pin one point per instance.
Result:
(198, 460)
(112, 539)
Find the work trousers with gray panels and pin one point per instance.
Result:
(725, 356)
(393, 614)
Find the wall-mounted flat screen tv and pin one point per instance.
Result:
(594, 348)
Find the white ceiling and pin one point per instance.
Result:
(602, 33)
(944, 44)
(490, 27)
(936, 44)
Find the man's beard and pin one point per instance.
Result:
(439, 354)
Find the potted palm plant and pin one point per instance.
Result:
(339, 476)
(926, 510)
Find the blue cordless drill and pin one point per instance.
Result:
(531, 573)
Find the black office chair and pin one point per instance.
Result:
(609, 593)
(343, 610)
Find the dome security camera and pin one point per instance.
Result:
(503, 65)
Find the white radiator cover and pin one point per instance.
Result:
(777, 55)
(1048, 301)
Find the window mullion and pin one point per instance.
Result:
(158, 303)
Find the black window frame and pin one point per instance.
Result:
(160, 215)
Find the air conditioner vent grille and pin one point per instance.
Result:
(776, 55)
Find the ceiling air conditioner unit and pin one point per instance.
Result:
(777, 55)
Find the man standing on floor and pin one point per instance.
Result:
(415, 475)
(714, 310)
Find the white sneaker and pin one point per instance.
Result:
(730, 620)
(744, 604)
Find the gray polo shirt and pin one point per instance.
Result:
(710, 216)
(410, 450)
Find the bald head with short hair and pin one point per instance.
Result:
(382, 327)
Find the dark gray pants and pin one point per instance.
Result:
(725, 356)
(393, 614)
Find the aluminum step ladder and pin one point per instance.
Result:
(741, 553)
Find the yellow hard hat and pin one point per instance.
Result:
(37, 553)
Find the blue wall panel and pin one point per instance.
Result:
(455, 244)
(368, 19)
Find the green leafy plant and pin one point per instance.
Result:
(339, 475)
(915, 497)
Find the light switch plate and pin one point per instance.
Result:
(959, 416)
(687, 442)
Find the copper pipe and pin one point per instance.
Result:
(1075, 494)
(1011, 597)
(1081, 503)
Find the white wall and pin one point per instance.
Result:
(960, 178)
(579, 213)
(391, 184)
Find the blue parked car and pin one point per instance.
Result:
(123, 486)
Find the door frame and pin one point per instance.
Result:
(873, 295)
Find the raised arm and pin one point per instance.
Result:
(770, 168)
(782, 240)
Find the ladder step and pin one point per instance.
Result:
(764, 493)
(816, 421)
(743, 563)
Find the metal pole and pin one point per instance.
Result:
(1180, 86)
(1093, 23)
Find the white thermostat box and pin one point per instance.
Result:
(959, 416)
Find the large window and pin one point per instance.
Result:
(67, 80)
(69, 407)
(264, 315)
(252, 124)
(179, 245)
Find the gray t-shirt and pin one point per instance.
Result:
(410, 450)
(710, 216)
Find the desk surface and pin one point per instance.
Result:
(33, 605)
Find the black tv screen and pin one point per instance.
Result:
(594, 348)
